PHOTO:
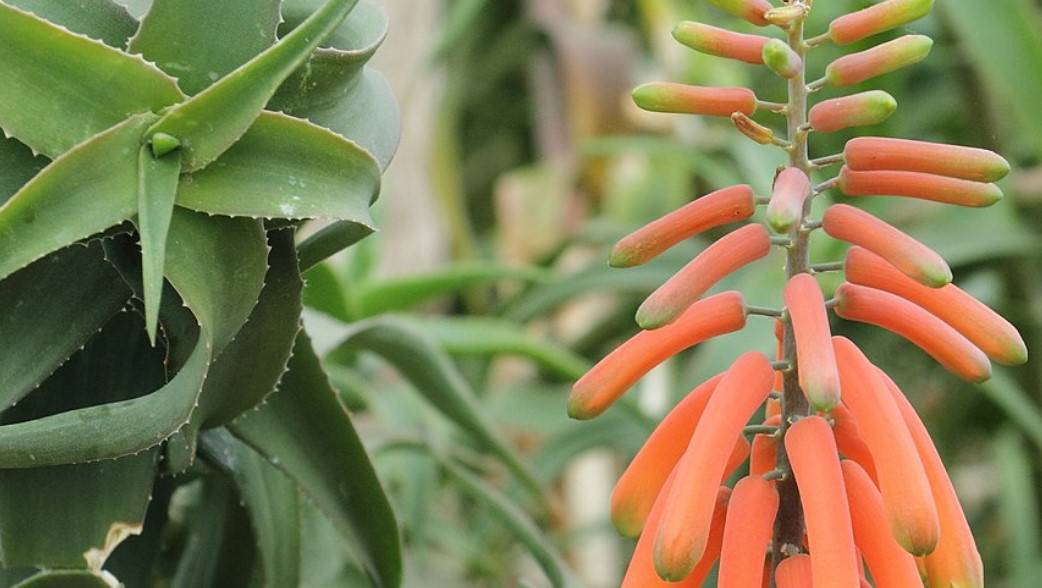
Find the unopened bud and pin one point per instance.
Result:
(684, 99)
(879, 18)
(781, 59)
(859, 110)
(883, 59)
(721, 42)
(750, 10)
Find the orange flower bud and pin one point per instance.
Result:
(931, 334)
(683, 533)
(791, 190)
(858, 110)
(981, 325)
(764, 452)
(876, 19)
(750, 10)
(914, 259)
(815, 360)
(620, 369)
(684, 99)
(967, 163)
(891, 566)
(879, 60)
(723, 257)
(918, 185)
(849, 441)
(641, 571)
(812, 455)
(752, 129)
(712, 210)
(781, 59)
(902, 480)
(956, 561)
(720, 42)
(747, 532)
(794, 572)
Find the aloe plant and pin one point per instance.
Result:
(155, 173)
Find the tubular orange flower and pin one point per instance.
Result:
(750, 10)
(763, 455)
(956, 561)
(914, 259)
(931, 334)
(781, 59)
(815, 360)
(791, 190)
(620, 369)
(712, 210)
(794, 572)
(902, 480)
(876, 19)
(683, 533)
(891, 566)
(720, 42)
(918, 185)
(849, 441)
(731, 252)
(857, 110)
(967, 163)
(974, 320)
(684, 99)
(747, 532)
(641, 571)
(879, 60)
(812, 455)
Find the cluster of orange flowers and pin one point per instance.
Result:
(872, 487)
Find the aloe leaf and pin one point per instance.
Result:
(286, 168)
(17, 166)
(201, 41)
(103, 20)
(52, 308)
(85, 191)
(325, 292)
(157, 186)
(69, 579)
(304, 430)
(212, 120)
(270, 498)
(434, 376)
(100, 86)
(208, 521)
(1018, 507)
(329, 241)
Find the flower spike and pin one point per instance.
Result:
(858, 110)
(876, 19)
(791, 189)
(720, 42)
(879, 60)
(918, 185)
(816, 362)
(967, 163)
(684, 99)
(747, 532)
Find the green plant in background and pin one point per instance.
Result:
(154, 173)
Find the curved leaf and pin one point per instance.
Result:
(157, 185)
(69, 579)
(103, 20)
(18, 165)
(329, 241)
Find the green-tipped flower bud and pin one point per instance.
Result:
(781, 59)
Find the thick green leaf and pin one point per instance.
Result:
(201, 41)
(1018, 504)
(83, 192)
(286, 168)
(210, 122)
(327, 293)
(208, 520)
(305, 431)
(52, 308)
(70, 87)
(103, 20)
(329, 241)
(17, 166)
(69, 579)
(157, 186)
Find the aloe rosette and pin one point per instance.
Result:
(842, 473)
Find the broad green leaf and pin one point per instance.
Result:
(329, 241)
(327, 293)
(1004, 391)
(1018, 507)
(201, 41)
(211, 121)
(18, 165)
(103, 20)
(434, 376)
(286, 168)
(99, 87)
(52, 308)
(157, 186)
(69, 579)
(306, 432)
(270, 498)
(83, 192)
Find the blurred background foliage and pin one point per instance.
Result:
(487, 291)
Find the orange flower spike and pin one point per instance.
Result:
(955, 563)
(816, 362)
(720, 42)
(747, 532)
(764, 453)
(891, 566)
(876, 19)
(751, 10)
(849, 441)
(641, 570)
(791, 189)
(879, 60)
(728, 254)
(620, 369)
(794, 572)
(918, 185)
(931, 334)
(646, 475)
(902, 479)
(676, 98)
(812, 456)
(682, 536)
(858, 110)
(967, 163)
(993, 334)
(914, 259)
(712, 210)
